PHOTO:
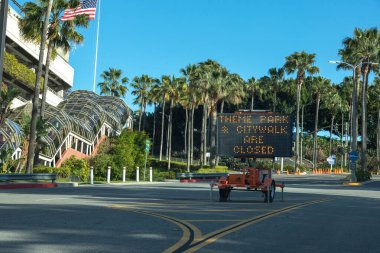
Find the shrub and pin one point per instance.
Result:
(363, 175)
(43, 169)
(78, 168)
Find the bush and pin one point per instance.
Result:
(78, 168)
(363, 175)
(43, 169)
(62, 172)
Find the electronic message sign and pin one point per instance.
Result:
(264, 135)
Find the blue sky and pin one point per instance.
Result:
(247, 36)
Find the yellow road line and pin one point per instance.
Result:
(211, 220)
(212, 237)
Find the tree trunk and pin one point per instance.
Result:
(206, 133)
(252, 101)
(213, 134)
(364, 118)
(186, 126)
(170, 132)
(154, 127)
(315, 141)
(192, 136)
(297, 160)
(45, 88)
(378, 141)
(162, 129)
(144, 118)
(274, 100)
(140, 117)
(202, 137)
(33, 134)
(331, 129)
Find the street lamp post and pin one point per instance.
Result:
(354, 113)
(354, 136)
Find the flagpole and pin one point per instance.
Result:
(96, 50)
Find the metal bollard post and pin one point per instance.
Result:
(91, 175)
(150, 174)
(124, 173)
(109, 174)
(137, 174)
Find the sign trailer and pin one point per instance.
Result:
(253, 135)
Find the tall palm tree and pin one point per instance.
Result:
(253, 88)
(300, 63)
(154, 97)
(164, 97)
(361, 51)
(319, 86)
(189, 73)
(333, 103)
(174, 87)
(216, 78)
(276, 76)
(60, 34)
(141, 87)
(45, 21)
(111, 85)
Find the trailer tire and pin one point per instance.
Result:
(224, 194)
(271, 192)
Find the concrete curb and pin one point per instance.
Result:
(67, 184)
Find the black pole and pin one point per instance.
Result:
(3, 31)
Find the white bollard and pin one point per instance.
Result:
(150, 174)
(137, 174)
(109, 174)
(124, 173)
(91, 175)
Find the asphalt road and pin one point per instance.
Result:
(318, 214)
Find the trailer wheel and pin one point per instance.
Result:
(271, 192)
(224, 194)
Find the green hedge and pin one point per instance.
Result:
(19, 71)
(62, 172)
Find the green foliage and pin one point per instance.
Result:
(100, 162)
(62, 172)
(19, 71)
(174, 166)
(363, 175)
(218, 169)
(78, 167)
(126, 150)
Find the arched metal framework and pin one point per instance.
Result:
(83, 115)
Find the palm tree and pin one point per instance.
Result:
(154, 97)
(111, 85)
(189, 73)
(301, 63)
(319, 86)
(361, 51)
(333, 103)
(141, 87)
(45, 15)
(163, 93)
(276, 76)
(174, 87)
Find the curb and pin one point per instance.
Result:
(352, 183)
(67, 184)
(28, 185)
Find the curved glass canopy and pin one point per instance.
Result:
(83, 114)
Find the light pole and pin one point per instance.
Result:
(354, 136)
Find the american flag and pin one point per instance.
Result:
(87, 7)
